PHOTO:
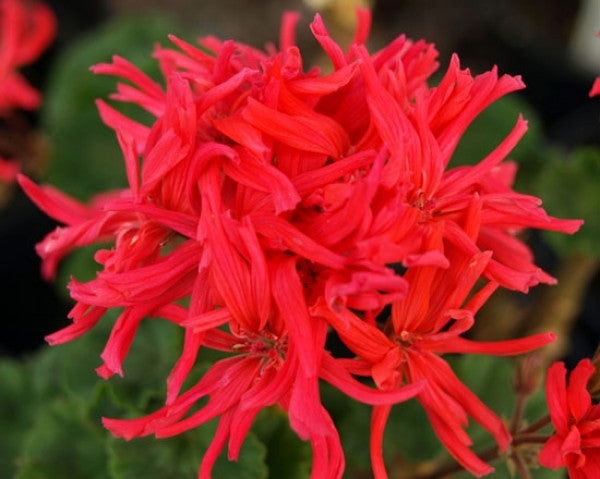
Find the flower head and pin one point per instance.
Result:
(280, 203)
(576, 442)
(424, 325)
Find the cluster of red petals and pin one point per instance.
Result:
(576, 443)
(280, 204)
(26, 30)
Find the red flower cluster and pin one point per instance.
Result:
(576, 443)
(25, 32)
(282, 204)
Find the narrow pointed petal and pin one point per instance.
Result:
(340, 378)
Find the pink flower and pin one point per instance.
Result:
(576, 442)
(25, 32)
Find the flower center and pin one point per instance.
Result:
(405, 339)
(266, 345)
(427, 206)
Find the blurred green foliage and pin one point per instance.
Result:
(569, 185)
(56, 402)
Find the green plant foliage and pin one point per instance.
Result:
(409, 434)
(143, 388)
(569, 187)
(15, 413)
(85, 157)
(180, 457)
(490, 378)
(63, 442)
(55, 403)
(286, 455)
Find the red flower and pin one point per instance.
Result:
(576, 443)
(277, 203)
(25, 32)
(269, 366)
(425, 324)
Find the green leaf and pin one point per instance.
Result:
(157, 343)
(409, 434)
(16, 405)
(68, 369)
(569, 188)
(286, 455)
(63, 442)
(490, 378)
(86, 158)
(352, 420)
(180, 457)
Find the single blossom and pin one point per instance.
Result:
(428, 323)
(576, 420)
(279, 204)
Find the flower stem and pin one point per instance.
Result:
(519, 409)
(536, 426)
